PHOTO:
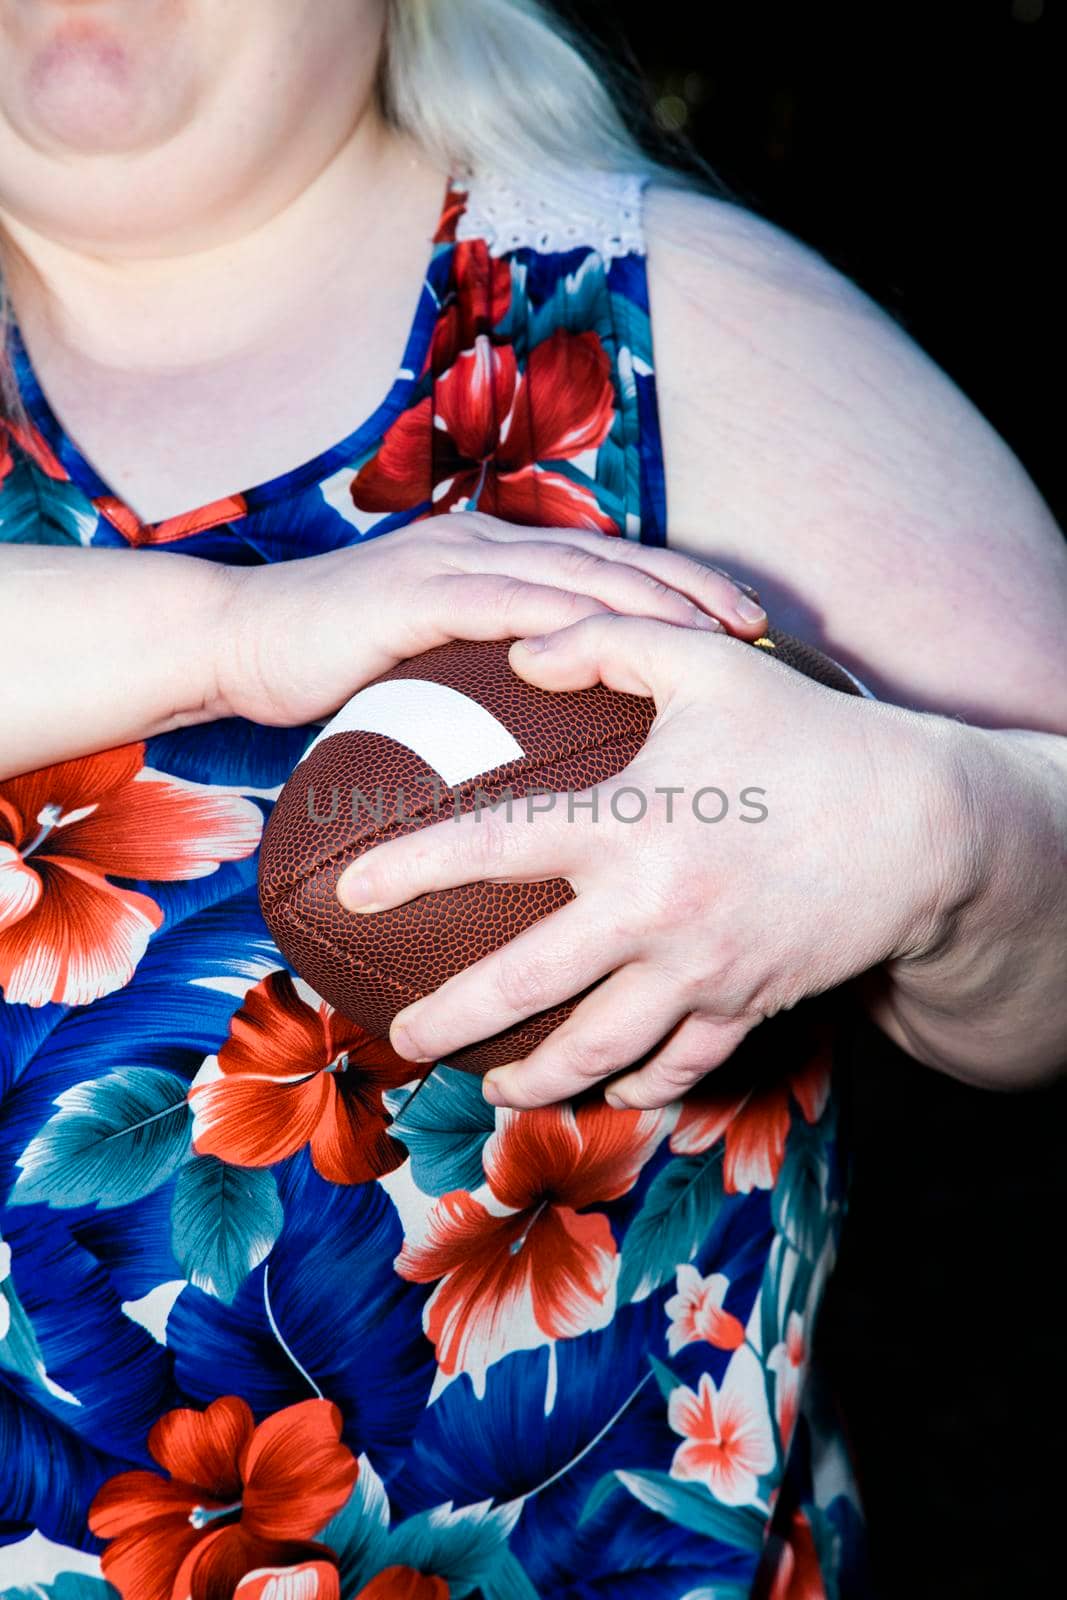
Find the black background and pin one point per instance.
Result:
(919, 148)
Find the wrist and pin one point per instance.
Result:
(941, 825)
(982, 999)
(206, 620)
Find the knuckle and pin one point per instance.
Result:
(484, 841)
(676, 1077)
(585, 1056)
(522, 983)
(508, 594)
(579, 563)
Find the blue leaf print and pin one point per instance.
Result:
(681, 1204)
(108, 1378)
(569, 1402)
(49, 1475)
(225, 1221)
(444, 1124)
(112, 1140)
(325, 1314)
(19, 1350)
(132, 1243)
(230, 751)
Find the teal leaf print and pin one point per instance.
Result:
(466, 1547)
(444, 1125)
(112, 1140)
(664, 1377)
(36, 510)
(508, 1581)
(66, 1586)
(772, 1324)
(679, 1209)
(798, 1199)
(459, 1546)
(224, 1222)
(693, 1506)
(719, 1591)
(358, 1533)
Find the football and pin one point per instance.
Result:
(442, 734)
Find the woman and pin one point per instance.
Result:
(266, 1327)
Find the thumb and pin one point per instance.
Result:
(634, 655)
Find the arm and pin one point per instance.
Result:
(988, 1003)
(102, 647)
(814, 449)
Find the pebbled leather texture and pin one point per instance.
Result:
(357, 789)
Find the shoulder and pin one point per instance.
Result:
(811, 446)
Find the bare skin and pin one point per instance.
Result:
(807, 446)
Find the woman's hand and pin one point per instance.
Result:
(832, 856)
(303, 635)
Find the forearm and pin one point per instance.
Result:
(988, 1003)
(102, 647)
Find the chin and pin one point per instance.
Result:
(94, 86)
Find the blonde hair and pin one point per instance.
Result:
(503, 86)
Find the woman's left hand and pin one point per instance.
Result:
(834, 851)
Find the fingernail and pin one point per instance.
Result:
(491, 1091)
(748, 610)
(536, 641)
(615, 1101)
(355, 894)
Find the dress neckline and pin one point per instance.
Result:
(81, 472)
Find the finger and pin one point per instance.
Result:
(620, 585)
(695, 1048)
(716, 591)
(493, 606)
(521, 841)
(631, 654)
(626, 1015)
(556, 958)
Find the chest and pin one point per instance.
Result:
(169, 441)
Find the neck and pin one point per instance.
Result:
(192, 311)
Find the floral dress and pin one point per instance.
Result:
(272, 1325)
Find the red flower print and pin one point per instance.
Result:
(492, 428)
(527, 1264)
(403, 1583)
(34, 445)
(238, 1498)
(67, 934)
(479, 299)
(755, 1124)
(787, 1361)
(454, 207)
(311, 1580)
(727, 1442)
(136, 532)
(696, 1312)
(292, 1075)
(796, 1572)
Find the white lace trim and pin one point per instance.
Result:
(604, 213)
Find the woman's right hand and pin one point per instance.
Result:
(302, 636)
